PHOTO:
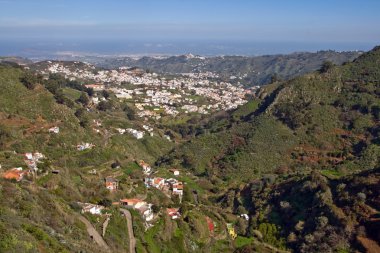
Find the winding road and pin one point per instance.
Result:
(94, 234)
(132, 239)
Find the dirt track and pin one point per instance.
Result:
(132, 239)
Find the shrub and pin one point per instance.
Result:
(326, 66)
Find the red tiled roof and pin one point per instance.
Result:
(172, 210)
(157, 180)
(14, 174)
(131, 201)
(179, 186)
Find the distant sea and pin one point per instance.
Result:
(51, 49)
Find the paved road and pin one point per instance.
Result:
(132, 239)
(94, 234)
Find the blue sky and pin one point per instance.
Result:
(325, 22)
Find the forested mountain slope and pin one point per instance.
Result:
(327, 121)
(302, 159)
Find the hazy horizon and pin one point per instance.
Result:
(44, 28)
(36, 49)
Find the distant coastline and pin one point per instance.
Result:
(38, 50)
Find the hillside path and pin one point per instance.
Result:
(132, 239)
(94, 234)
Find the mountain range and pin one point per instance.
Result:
(250, 71)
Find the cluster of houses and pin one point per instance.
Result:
(31, 160)
(135, 133)
(149, 129)
(167, 186)
(154, 95)
(122, 93)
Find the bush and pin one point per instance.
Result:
(104, 106)
(29, 80)
(271, 235)
(84, 99)
(326, 66)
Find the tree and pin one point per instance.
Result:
(58, 79)
(83, 99)
(115, 165)
(104, 105)
(90, 92)
(52, 86)
(105, 202)
(155, 208)
(80, 112)
(131, 114)
(84, 120)
(105, 94)
(326, 66)
(5, 133)
(274, 78)
(241, 226)
(59, 97)
(29, 80)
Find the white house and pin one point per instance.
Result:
(141, 206)
(245, 216)
(92, 208)
(173, 213)
(175, 172)
(85, 146)
(29, 156)
(138, 135)
(121, 130)
(158, 182)
(178, 189)
(146, 167)
(54, 130)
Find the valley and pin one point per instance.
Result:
(197, 161)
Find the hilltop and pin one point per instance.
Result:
(15, 60)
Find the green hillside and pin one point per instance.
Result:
(325, 121)
(303, 163)
(38, 214)
(294, 170)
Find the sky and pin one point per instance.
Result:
(124, 26)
